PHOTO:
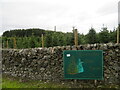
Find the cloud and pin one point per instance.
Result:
(119, 13)
(108, 8)
(63, 13)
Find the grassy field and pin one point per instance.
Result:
(10, 82)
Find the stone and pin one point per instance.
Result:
(46, 64)
(42, 69)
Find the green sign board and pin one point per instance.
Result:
(83, 64)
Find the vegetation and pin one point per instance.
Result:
(31, 38)
(92, 36)
(12, 82)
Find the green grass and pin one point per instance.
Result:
(11, 82)
(8, 82)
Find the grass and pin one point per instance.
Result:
(11, 82)
(8, 82)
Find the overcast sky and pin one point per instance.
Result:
(64, 14)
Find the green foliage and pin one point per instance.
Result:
(113, 35)
(31, 38)
(82, 39)
(91, 36)
(23, 32)
(104, 36)
(70, 38)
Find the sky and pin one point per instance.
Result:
(64, 14)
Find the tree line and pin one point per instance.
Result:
(31, 38)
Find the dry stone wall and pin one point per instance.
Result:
(47, 64)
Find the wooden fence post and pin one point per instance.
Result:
(118, 34)
(14, 40)
(7, 44)
(76, 37)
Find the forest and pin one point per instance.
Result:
(31, 38)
